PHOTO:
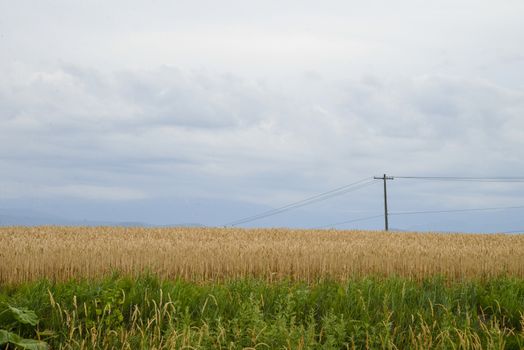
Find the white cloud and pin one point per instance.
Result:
(94, 192)
(255, 101)
(181, 125)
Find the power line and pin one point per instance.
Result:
(349, 221)
(369, 181)
(309, 200)
(513, 231)
(454, 210)
(420, 212)
(462, 178)
(385, 178)
(445, 178)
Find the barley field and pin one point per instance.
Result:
(214, 254)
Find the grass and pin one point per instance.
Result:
(365, 313)
(205, 288)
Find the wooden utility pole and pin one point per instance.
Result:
(385, 178)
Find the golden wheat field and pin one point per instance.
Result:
(208, 254)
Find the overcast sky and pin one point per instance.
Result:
(203, 111)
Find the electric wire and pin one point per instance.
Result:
(418, 212)
(513, 231)
(306, 201)
(453, 210)
(368, 181)
(349, 221)
(462, 178)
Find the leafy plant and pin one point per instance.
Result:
(13, 318)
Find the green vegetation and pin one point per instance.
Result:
(11, 318)
(377, 313)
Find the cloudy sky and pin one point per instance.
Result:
(173, 112)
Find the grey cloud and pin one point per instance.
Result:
(169, 96)
(435, 107)
(263, 103)
(67, 121)
(175, 132)
(77, 98)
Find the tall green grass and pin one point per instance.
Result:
(368, 313)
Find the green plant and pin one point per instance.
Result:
(17, 318)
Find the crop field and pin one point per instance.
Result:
(210, 288)
(211, 254)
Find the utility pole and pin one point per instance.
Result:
(385, 178)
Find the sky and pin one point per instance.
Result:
(204, 112)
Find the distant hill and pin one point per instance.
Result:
(189, 224)
(28, 217)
